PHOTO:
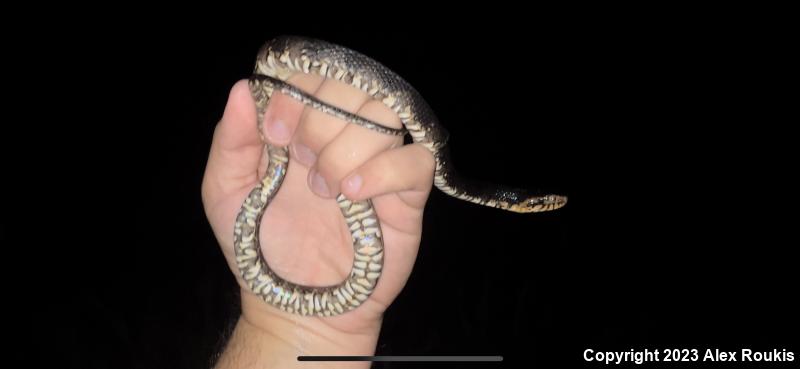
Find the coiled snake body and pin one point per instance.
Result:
(277, 61)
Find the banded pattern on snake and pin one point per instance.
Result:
(276, 62)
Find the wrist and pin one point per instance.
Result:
(269, 335)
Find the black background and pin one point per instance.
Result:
(670, 141)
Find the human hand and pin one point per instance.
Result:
(303, 234)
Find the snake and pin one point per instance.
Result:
(276, 61)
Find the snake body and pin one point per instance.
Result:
(277, 60)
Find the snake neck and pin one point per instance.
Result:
(518, 200)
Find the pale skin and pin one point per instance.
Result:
(303, 235)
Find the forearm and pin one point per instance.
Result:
(265, 337)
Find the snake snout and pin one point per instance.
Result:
(538, 204)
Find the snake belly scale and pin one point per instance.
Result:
(284, 56)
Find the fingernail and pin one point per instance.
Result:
(353, 184)
(278, 131)
(304, 155)
(318, 185)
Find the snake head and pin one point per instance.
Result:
(538, 204)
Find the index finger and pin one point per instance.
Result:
(236, 147)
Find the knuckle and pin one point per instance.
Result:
(341, 95)
(383, 175)
(312, 135)
(284, 106)
(378, 112)
(329, 165)
(424, 158)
